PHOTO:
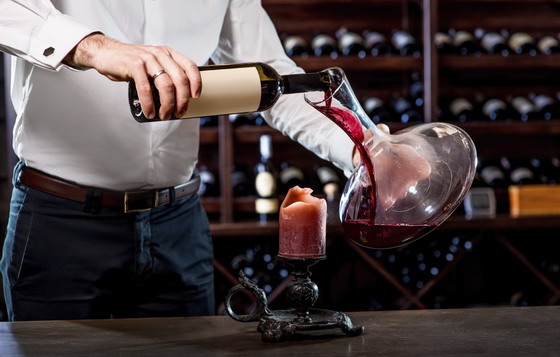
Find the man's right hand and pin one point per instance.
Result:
(124, 62)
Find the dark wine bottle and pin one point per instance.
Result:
(406, 111)
(376, 109)
(242, 119)
(350, 43)
(466, 44)
(376, 43)
(208, 184)
(290, 176)
(295, 45)
(444, 43)
(462, 110)
(495, 109)
(324, 45)
(405, 43)
(266, 204)
(493, 42)
(492, 173)
(547, 107)
(519, 170)
(525, 109)
(523, 43)
(239, 181)
(237, 88)
(548, 45)
(417, 90)
(330, 185)
(208, 122)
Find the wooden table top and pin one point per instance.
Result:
(502, 331)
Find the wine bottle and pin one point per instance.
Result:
(330, 185)
(266, 204)
(376, 43)
(208, 183)
(290, 176)
(406, 111)
(208, 122)
(239, 181)
(546, 106)
(495, 109)
(520, 172)
(417, 90)
(242, 119)
(548, 45)
(462, 110)
(523, 43)
(324, 45)
(444, 43)
(524, 108)
(466, 44)
(295, 45)
(405, 43)
(492, 173)
(493, 42)
(236, 88)
(377, 110)
(350, 43)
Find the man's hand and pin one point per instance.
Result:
(124, 62)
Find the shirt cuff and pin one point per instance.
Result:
(56, 38)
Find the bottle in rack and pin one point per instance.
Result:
(524, 108)
(548, 45)
(405, 44)
(237, 88)
(239, 181)
(376, 109)
(465, 43)
(330, 185)
(290, 176)
(324, 45)
(493, 42)
(295, 45)
(492, 173)
(523, 43)
(376, 43)
(462, 110)
(208, 183)
(495, 109)
(520, 171)
(350, 43)
(266, 188)
(406, 111)
(444, 43)
(547, 107)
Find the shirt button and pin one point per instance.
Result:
(47, 52)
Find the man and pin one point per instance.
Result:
(71, 250)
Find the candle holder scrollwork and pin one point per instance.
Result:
(302, 293)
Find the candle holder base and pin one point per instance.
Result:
(302, 294)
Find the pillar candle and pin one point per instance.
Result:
(303, 224)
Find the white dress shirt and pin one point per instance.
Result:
(77, 124)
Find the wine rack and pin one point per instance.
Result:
(443, 75)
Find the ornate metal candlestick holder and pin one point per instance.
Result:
(302, 293)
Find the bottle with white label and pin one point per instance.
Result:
(237, 88)
(324, 45)
(462, 110)
(523, 43)
(266, 188)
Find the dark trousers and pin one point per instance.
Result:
(60, 262)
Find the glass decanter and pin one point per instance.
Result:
(408, 182)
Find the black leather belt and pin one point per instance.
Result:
(128, 201)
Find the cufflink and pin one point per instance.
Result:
(47, 52)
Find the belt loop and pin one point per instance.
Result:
(18, 167)
(92, 202)
(172, 196)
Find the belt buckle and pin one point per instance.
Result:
(140, 201)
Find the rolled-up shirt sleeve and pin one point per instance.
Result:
(36, 31)
(249, 35)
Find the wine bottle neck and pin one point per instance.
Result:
(306, 82)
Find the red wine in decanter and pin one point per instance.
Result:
(365, 231)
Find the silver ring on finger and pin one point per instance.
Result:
(157, 74)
